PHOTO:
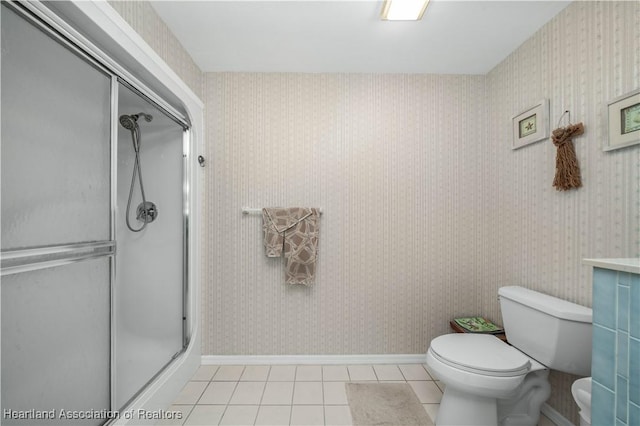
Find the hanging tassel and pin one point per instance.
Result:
(567, 168)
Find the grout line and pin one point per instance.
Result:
(293, 393)
(201, 393)
(188, 414)
(264, 389)
(375, 374)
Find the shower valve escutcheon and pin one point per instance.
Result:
(147, 212)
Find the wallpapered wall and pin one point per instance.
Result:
(393, 161)
(534, 235)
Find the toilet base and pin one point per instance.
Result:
(522, 408)
(476, 410)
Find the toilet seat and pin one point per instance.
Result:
(480, 354)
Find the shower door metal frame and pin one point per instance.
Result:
(114, 198)
(29, 259)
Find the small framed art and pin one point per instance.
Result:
(531, 125)
(624, 121)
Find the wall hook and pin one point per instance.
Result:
(566, 112)
(201, 160)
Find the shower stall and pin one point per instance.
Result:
(95, 179)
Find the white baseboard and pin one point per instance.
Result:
(312, 359)
(555, 416)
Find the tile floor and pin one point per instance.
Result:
(290, 394)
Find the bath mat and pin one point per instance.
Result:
(392, 404)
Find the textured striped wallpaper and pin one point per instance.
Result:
(383, 156)
(534, 235)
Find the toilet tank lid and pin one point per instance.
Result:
(543, 302)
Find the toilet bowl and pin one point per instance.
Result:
(482, 376)
(581, 391)
(490, 382)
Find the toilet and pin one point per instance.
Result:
(581, 390)
(490, 382)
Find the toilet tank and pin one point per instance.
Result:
(554, 332)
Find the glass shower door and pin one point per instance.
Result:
(149, 263)
(57, 238)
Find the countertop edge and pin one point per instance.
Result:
(631, 265)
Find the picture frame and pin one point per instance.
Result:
(624, 121)
(531, 125)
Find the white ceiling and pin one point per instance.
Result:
(454, 37)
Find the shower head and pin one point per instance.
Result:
(128, 121)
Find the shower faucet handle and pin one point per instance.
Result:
(147, 212)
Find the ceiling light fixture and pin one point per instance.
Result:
(403, 10)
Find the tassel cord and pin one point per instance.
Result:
(567, 167)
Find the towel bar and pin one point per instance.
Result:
(250, 210)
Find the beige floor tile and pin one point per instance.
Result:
(307, 393)
(427, 391)
(308, 415)
(218, 393)
(273, 415)
(229, 373)
(335, 393)
(288, 394)
(309, 373)
(180, 414)
(204, 373)
(282, 373)
(337, 415)
(361, 373)
(278, 393)
(335, 373)
(388, 372)
(414, 372)
(247, 393)
(255, 373)
(205, 415)
(241, 415)
(191, 393)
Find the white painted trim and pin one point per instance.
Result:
(312, 359)
(121, 31)
(555, 416)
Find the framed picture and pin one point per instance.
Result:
(531, 125)
(624, 121)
